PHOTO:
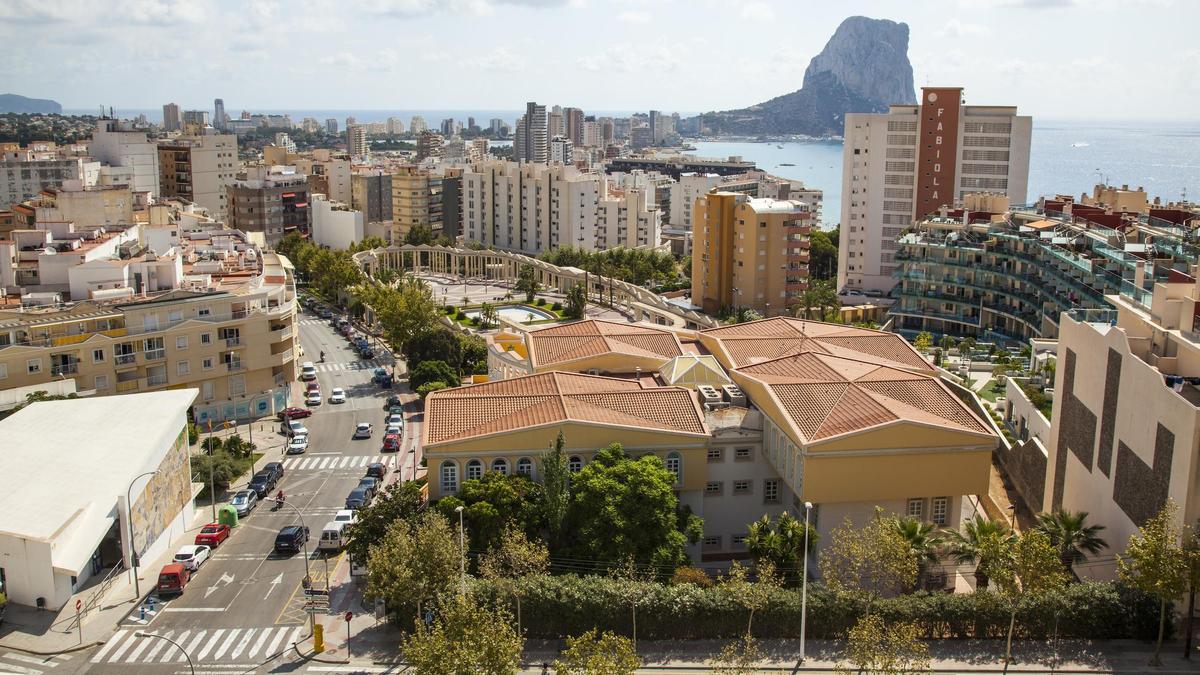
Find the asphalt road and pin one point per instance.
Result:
(247, 604)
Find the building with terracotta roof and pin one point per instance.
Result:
(855, 418)
(591, 345)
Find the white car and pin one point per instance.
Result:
(363, 430)
(313, 398)
(395, 420)
(394, 429)
(346, 516)
(308, 371)
(192, 557)
(298, 445)
(338, 396)
(297, 428)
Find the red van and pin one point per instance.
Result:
(172, 579)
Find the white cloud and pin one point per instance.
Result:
(630, 58)
(500, 58)
(634, 16)
(161, 12)
(757, 11)
(961, 29)
(342, 60)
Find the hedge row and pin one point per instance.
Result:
(557, 606)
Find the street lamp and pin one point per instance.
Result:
(312, 619)
(133, 556)
(462, 554)
(178, 646)
(804, 583)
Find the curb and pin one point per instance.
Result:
(316, 659)
(77, 648)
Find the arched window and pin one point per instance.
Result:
(449, 477)
(474, 469)
(675, 466)
(500, 465)
(525, 467)
(575, 464)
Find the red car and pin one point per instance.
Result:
(294, 413)
(212, 535)
(391, 443)
(314, 386)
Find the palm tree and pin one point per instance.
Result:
(925, 542)
(781, 542)
(970, 545)
(1072, 536)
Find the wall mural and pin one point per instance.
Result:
(164, 496)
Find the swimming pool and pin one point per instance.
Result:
(518, 313)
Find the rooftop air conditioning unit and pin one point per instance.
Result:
(734, 395)
(709, 396)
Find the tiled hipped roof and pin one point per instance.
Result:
(523, 402)
(581, 339)
(758, 341)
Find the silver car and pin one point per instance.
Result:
(244, 501)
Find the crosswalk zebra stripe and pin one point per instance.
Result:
(241, 645)
(18, 669)
(211, 643)
(226, 644)
(259, 643)
(276, 645)
(191, 648)
(174, 654)
(124, 646)
(294, 637)
(112, 642)
(143, 645)
(47, 662)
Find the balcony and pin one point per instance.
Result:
(155, 354)
(127, 386)
(125, 360)
(64, 369)
(156, 380)
(234, 366)
(233, 342)
(282, 358)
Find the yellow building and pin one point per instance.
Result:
(416, 200)
(234, 339)
(594, 346)
(749, 252)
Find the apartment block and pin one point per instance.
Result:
(560, 150)
(225, 326)
(85, 207)
(22, 179)
(127, 157)
(199, 169)
(270, 201)
(371, 193)
(749, 252)
(335, 224)
(429, 144)
(902, 165)
(356, 140)
(628, 218)
(416, 200)
(172, 118)
(531, 141)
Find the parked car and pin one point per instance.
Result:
(298, 445)
(293, 413)
(396, 410)
(394, 429)
(244, 502)
(308, 371)
(293, 427)
(392, 402)
(313, 398)
(377, 469)
(338, 395)
(290, 539)
(172, 579)
(346, 516)
(366, 353)
(262, 483)
(192, 557)
(363, 430)
(212, 535)
(371, 485)
(275, 468)
(325, 313)
(391, 442)
(395, 420)
(357, 499)
(312, 386)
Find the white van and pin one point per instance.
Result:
(333, 536)
(308, 371)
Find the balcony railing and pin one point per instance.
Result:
(156, 380)
(235, 366)
(64, 369)
(125, 359)
(127, 386)
(233, 341)
(155, 354)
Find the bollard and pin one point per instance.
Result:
(143, 614)
(318, 638)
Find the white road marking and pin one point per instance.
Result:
(226, 644)
(294, 638)
(259, 644)
(208, 647)
(173, 654)
(193, 609)
(112, 642)
(144, 643)
(19, 670)
(191, 648)
(29, 659)
(272, 649)
(241, 646)
(125, 645)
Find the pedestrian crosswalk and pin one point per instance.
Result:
(334, 462)
(346, 365)
(210, 645)
(28, 664)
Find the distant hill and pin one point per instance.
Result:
(863, 68)
(14, 103)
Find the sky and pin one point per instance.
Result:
(1055, 59)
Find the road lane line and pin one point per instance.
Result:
(112, 642)
(173, 654)
(28, 659)
(125, 645)
(242, 644)
(19, 669)
(208, 647)
(226, 644)
(279, 635)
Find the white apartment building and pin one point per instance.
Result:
(356, 140)
(417, 125)
(199, 169)
(22, 179)
(126, 155)
(560, 150)
(395, 126)
(591, 134)
(628, 218)
(684, 193)
(335, 224)
(904, 164)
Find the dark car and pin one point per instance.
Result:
(262, 483)
(392, 401)
(325, 313)
(275, 468)
(291, 539)
(357, 499)
(377, 470)
(370, 484)
(366, 353)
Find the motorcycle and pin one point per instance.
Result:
(322, 357)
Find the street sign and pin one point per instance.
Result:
(78, 605)
(349, 615)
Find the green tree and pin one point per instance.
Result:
(415, 563)
(974, 545)
(753, 595)
(1071, 534)
(398, 502)
(576, 302)
(819, 294)
(514, 556)
(876, 646)
(419, 234)
(489, 315)
(624, 508)
(223, 468)
(823, 254)
(556, 480)
(432, 371)
(596, 653)
(465, 638)
(873, 560)
(739, 656)
(923, 342)
(781, 543)
(1029, 566)
(966, 346)
(429, 387)
(527, 282)
(440, 344)
(946, 343)
(496, 501)
(1156, 563)
(924, 541)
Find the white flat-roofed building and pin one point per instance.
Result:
(63, 513)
